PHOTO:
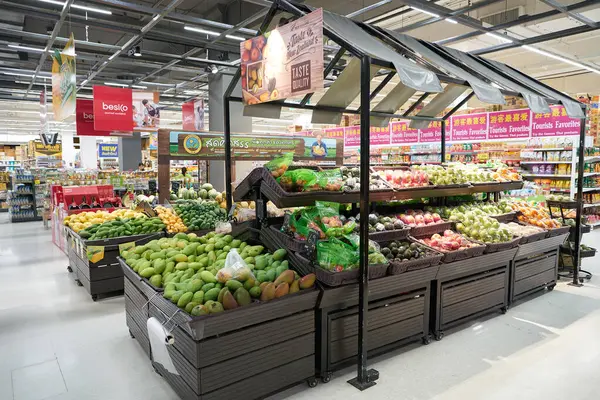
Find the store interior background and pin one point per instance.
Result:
(545, 338)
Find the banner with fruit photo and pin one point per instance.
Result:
(285, 62)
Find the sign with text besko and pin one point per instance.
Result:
(192, 113)
(285, 62)
(64, 85)
(108, 150)
(554, 123)
(213, 145)
(84, 118)
(509, 124)
(113, 109)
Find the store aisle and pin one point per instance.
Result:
(56, 344)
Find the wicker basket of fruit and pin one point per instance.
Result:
(452, 245)
(423, 223)
(408, 255)
(528, 233)
(386, 228)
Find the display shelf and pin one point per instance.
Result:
(591, 205)
(591, 159)
(546, 176)
(546, 162)
(585, 190)
(586, 174)
(548, 149)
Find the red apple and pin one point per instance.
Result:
(410, 220)
(436, 217)
(428, 219)
(448, 232)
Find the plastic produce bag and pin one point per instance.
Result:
(279, 165)
(336, 256)
(234, 268)
(295, 180)
(330, 180)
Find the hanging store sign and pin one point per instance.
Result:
(108, 150)
(193, 115)
(334, 133)
(84, 117)
(145, 110)
(210, 145)
(431, 134)
(510, 124)
(64, 85)
(555, 123)
(43, 112)
(285, 62)
(113, 109)
(40, 149)
(469, 127)
(403, 134)
(380, 136)
(153, 141)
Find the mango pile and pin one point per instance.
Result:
(84, 220)
(122, 227)
(173, 222)
(191, 270)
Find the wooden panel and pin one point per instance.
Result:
(348, 347)
(458, 293)
(472, 306)
(377, 317)
(137, 333)
(137, 297)
(523, 271)
(532, 282)
(137, 315)
(474, 265)
(541, 246)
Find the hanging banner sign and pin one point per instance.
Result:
(43, 112)
(108, 150)
(334, 133)
(285, 62)
(352, 136)
(555, 123)
(431, 134)
(210, 145)
(469, 127)
(64, 85)
(193, 115)
(113, 109)
(510, 124)
(145, 110)
(403, 134)
(84, 117)
(153, 141)
(380, 135)
(41, 149)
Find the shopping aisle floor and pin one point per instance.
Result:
(56, 344)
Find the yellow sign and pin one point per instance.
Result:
(40, 148)
(64, 85)
(126, 247)
(95, 253)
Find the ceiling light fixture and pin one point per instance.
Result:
(157, 83)
(559, 58)
(139, 87)
(17, 74)
(137, 51)
(241, 39)
(426, 12)
(451, 21)
(214, 69)
(115, 84)
(112, 57)
(19, 47)
(85, 8)
(200, 30)
(502, 38)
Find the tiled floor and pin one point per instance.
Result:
(56, 344)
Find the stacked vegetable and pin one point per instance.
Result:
(122, 227)
(84, 220)
(200, 215)
(172, 221)
(215, 272)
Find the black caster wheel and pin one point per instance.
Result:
(156, 370)
(131, 334)
(504, 310)
(69, 268)
(326, 378)
(94, 297)
(438, 336)
(312, 382)
(79, 283)
(426, 340)
(551, 288)
(581, 280)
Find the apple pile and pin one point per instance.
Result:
(405, 178)
(480, 227)
(483, 208)
(449, 241)
(415, 218)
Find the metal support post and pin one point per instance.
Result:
(365, 379)
(443, 149)
(579, 200)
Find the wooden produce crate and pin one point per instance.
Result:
(535, 267)
(398, 314)
(270, 346)
(469, 288)
(137, 314)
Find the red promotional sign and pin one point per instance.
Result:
(334, 133)
(431, 134)
(193, 115)
(84, 112)
(113, 109)
(352, 136)
(402, 134)
(511, 124)
(469, 127)
(380, 136)
(555, 123)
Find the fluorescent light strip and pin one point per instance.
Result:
(241, 39)
(16, 46)
(112, 57)
(139, 87)
(17, 74)
(199, 30)
(157, 83)
(26, 111)
(451, 21)
(499, 37)
(85, 8)
(426, 12)
(559, 58)
(115, 84)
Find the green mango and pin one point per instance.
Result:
(156, 280)
(198, 297)
(185, 299)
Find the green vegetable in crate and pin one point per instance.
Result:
(200, 215)
(125, 227)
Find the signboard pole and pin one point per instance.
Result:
(443, 141)
(579, 200)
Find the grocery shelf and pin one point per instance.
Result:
(548, 149)
(591, 205)
(546, 176)
(546, 162)
(592, 159)
(590, 189)
(560, 190)
(586, 174)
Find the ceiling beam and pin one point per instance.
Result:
(520, 21)
(57, 26)
(571, 14)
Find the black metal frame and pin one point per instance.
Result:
(365, 378)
